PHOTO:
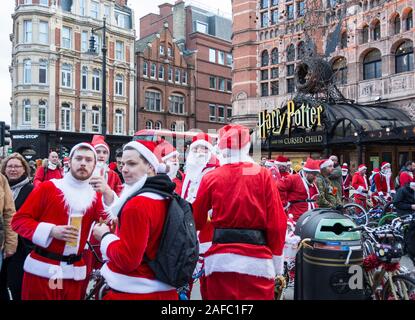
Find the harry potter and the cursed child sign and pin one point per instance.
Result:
(293, 116)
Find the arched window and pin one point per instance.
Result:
(96, 119)
(301, 50)
(42, 114)
(66, 117)
(404, 57)
(43, 71)
(408, 20)
(340, 70)
(274, 56)
(343, 40)
(27, 111)
(376, 30)
(149, 124)
(396, 24)
(173, 126)
(27, 76)
(119, 122)
(119, 85)
(67, 75)
(84, 82)
(365, 34)
(158, 125)
(264, 58)
(372, 65)
(291, 53)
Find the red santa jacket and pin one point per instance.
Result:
(114, 181)
(41, 175)
(360, 184)
(242, 196)
(384, 185)
(49, 205)
(142, 221)
(298, 190)
(347, 183)
(406, 177)
(179, 182)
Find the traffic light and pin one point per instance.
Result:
(4, 134)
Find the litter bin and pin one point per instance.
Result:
(328, 264)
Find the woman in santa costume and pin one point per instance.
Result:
(249, 222)
(385, 186)
(301, 189)
(347, 181)
(57, 217)
(141, 221)
(360, 185)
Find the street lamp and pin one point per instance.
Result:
(104, 72)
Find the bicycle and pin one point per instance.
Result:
(99, 285)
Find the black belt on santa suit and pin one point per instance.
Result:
(306, 200)
(248, 236)
(70, 259)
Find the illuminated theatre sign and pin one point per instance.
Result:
(280, 123)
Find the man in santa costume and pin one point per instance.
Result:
(50, 169)
(57, 217)
(346, 181)
(249, 222)
(170, 156)
(141, 220)
(406, 175)
(301, 189)
(282, 164)
(385, 186)
(273, 169)
(360, 185)
(66, 167)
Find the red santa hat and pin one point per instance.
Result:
(148, 149)
(202, 139)
(312, 165)
(166, 150)
(361, 167)
(345, 167)
(384, 164)
(66, 160)
(83, 145)
(234, 137)
(282, 161)
(99, 141)
(326, 163)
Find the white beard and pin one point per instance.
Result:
(52, 166)
(173, 169)
(195, 163)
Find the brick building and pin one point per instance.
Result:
(57, 84)
(184, 65)
(369, 45)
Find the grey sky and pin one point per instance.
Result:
(141, 8)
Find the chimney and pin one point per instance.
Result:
(165, 9)
(179, 21)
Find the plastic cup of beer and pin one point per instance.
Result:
(76, 222)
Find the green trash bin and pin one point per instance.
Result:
(329, 264)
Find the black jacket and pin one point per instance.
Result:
(404, 199)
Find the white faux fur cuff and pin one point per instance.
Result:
(278, 264)
(108, 239)
(42, 237)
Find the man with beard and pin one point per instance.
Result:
(170, 156)
(384, 182)
(57, 217)
(301, 189)
(346, 181)
(336, 178)
(283, 167)
(50, 169)
(327, 191)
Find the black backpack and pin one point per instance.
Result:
(178, 252)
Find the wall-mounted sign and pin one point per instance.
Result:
(293, 116)
(25, 136)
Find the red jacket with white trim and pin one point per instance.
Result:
(384, 185)
(360, 184)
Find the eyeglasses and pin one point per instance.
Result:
(14, 167)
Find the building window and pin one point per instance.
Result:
(66, 117)
(372, 65)
(95, 119)
(264, 58)
(153, 71)
(343, 40)
(264, 4)
(340, 71)
(42, 114)
(290, 70)
(376, 31)
(94, 10)
(66, 75)
(27, 72)
(221, 57)
(212, 112)
(161, 50)
(98, 44)
(229, 59)
(27, 112)
(221, 82)
(201, 27)
(212, 82)
(44, 32)
(161, 72)
(229, 85)
(27, 31)
(291, 53)
(264, 74)
(365, 34)
(264, 19)
(170, 74)
(96, 80)
(221, 113)
(300, 8)
(184, 77)
(149, 124)
(300, 50)
(274, 73)
(274, 3)
(173, 127)
(119, 51)
(397, 25)
(153, 101)
(408, 22)
(177, 76)
(44, 2)
(123, 20)
(275, 88)
(229, 114)
(119, 122)
(43, 71)
(84, 82)
(177, 104)
(82, 10)
(274, 17)
(264, 89)
(107, 12)
(83, 118)
(274, 56)
(84, 41)
(212, 55)
(66, 38)
(158, 125)
(404, 57)
(119, 85)
(290, 85)
(169, 51)
(290, 11)
(145, 69)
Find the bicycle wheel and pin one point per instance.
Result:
(404, 288)
(355, 212)
(387, 219)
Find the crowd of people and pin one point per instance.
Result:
(240, 209)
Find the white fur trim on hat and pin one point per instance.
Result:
(146, 153)
(83, 145)
(386, 164)
(310, 170)
(102, 145)
(326, 164)
(170, 155)
(362, 168)
(236, 156)
(201, 143)
(281, 163)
